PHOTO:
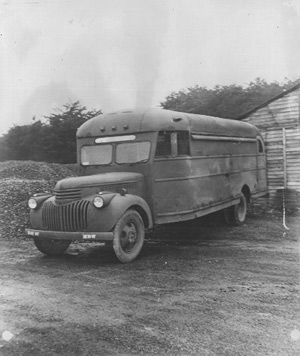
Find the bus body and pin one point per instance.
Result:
(142, 168)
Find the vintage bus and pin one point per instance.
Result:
(140, 168)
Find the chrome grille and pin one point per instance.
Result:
(70, 217)
(67, 195)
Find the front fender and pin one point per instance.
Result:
(36, 220)
(106, 218)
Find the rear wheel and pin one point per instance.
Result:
(236, 214)
(51, 247)
(129, 234)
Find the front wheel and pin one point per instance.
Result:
(51, 247)
(129, 234)
(236, 214)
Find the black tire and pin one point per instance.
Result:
(51, 247)
(129, 235)
(236, 214)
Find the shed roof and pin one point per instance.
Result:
(286, 92)
(156, 119)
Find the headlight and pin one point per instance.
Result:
(98, 202)
(32, 203)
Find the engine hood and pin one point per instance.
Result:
(103, 179)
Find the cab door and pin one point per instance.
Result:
(172, 190)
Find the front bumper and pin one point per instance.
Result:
(71, 236)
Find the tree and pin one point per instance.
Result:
(224, 101)
(52, 141)
(22, 142)
(60, 138)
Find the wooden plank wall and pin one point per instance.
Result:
(275, 162)
(283, 167)
(283, 112)
(279, 123)
(293, 158)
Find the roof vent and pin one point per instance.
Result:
(177, 119)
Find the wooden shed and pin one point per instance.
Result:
(278, 119)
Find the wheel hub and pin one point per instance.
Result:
(131, 237)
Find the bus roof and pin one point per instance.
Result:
(156, 119)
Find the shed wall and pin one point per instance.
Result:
(283, 112)
(279, 123)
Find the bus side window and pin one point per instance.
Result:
(163, 147)
(183, 143)
(260, 146)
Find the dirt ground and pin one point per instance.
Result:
(197, 289)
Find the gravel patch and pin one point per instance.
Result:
(18, 181)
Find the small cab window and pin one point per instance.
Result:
(172, 144)
(183, 144)
(96, 155)
(260, 145)
(163, 147)
(133, 152)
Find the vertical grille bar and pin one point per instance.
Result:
(57, 218)
(74, 211)
(63, 220)
(70, 217)
(79, 215)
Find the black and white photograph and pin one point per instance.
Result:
(150, 177)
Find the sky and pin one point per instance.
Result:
(119, 54)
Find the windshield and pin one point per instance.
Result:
(92, 155)
(127, 152)
(132, 152)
